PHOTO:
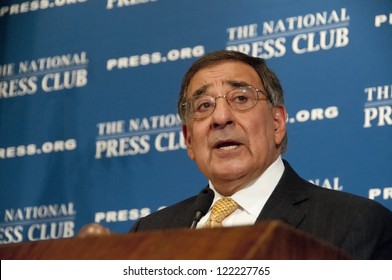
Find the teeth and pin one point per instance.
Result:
(228, 147)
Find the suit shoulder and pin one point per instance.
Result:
(175, 208)
(334, 200)
(342, 196)
(357, 207)
(174, 216)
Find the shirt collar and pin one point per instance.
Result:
(253, 198)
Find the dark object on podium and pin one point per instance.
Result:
(269, 240)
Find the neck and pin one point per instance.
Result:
(228, 187)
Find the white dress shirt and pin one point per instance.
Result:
(250, 199)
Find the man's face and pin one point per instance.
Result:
(233, 148)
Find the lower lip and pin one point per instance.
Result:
(228, 148)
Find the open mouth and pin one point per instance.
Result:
(227, 145)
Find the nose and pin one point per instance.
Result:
(222, 114)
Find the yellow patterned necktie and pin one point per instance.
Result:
(220, 210)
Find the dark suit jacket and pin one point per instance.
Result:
(360, 226)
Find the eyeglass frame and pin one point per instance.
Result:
(188, 102)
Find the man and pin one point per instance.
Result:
(234, 124)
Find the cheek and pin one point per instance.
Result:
(261, 133)
(196, 141)
(262, 140)
(191, 155)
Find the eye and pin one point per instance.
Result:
(240, 96)
(202, 104)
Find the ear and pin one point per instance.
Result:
(280, 118)
(187, 137)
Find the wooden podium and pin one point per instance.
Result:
(269, 240)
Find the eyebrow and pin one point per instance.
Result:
(202, 90)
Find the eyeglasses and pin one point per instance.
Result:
(240, 99)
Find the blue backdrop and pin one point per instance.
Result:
(88, 89)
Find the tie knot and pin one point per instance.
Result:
(220, 210)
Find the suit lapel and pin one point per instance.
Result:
(288, 202)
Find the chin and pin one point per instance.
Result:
(230, 174)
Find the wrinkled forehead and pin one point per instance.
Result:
(223, 75)
(209, 88)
